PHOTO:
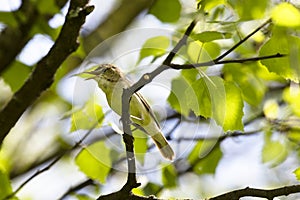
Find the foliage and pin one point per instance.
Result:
(236, 89)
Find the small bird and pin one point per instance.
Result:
(112, 81)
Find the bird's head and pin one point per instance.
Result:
(106, 72)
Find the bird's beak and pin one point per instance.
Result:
(92, 73)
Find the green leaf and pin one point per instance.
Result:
(166, 10)
(208, 36)
(83, 197)
(140, 145)
(247, 10)
(274, 152)
(234, 108)
(5, 186)
(291, 96)
(202, 52)
(95, 161)
(209, 4)
(285, 14)
(87, 117)
(287, 67)
(151, 189)
(47, 7)
(208, 157)
(177, 98)
(297, 173)
(8, 18)
(210, 98)
(155, 46)
(247, 78)
(201, 149)
(169, 176)
(16, 75)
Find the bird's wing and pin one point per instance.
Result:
(148, 108)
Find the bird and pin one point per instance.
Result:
(111, 80)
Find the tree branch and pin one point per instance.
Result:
(268, 194)
(43, 75)
(213, 62)
(242, 41)
(53, 162)
(13, 39)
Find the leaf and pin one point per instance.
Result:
(247, 10)
(210, 98)
(155, 46)
(95, 161)
(201, 149)
(15, 82)
(169, 176)
(246, 76)
(208, 36)
(140, 145)
(166, 10)
(209, 4)
(285, 14)
(151, 189)
(234, 108)
(297, 173)
(202, 52)
(177, 98)
(87, 117)
(8, 18)
(5, 186)
(287, 67)
(274, 152)
(291, 95)
(209, 160)
(271, 109)
(47, 6)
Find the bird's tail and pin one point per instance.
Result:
(163, 146)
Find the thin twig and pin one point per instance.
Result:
(53, 162)
(241, 41)
(77, 187)
(213, 62)
(253, 192)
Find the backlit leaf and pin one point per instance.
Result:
(89, 116)
(169, 176)
(285, 14)
(155, 46)
(9, 75)
(287, 67)
(166, 10)
(95, 161)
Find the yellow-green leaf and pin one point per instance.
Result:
(234, 108)
(5, 186)
(274, 153)
(89, 116)
(202, 52)
(16, 75)
(287, 67)
(285, 14)
(169, 176)
(166, 10)
(206, 97)
(95, 161)
(297, 173)
(155, 47)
